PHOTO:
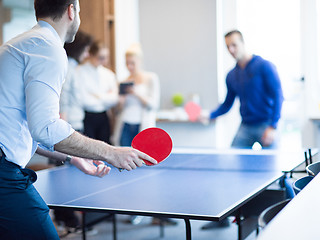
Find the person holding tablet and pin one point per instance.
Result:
(138, 100)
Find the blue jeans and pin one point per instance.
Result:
(23, 213)
(247, 135)
(129, 131)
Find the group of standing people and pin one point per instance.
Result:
(90, 99)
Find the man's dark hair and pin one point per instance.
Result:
(76, 48)
(52, 8)
(234, 32)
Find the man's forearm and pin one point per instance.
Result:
(82, 146)
(119, 157)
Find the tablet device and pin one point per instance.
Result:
(123, 87)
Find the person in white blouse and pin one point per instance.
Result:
(138, 106)
(98, 89)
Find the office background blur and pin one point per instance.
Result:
(183, 42)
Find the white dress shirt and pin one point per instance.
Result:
(32, 70)
(98, 87)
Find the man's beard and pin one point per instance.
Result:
(72, 31)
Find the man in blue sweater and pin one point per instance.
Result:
(256, 82)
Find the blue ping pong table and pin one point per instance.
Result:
(191, 184)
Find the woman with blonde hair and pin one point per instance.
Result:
(139, 102)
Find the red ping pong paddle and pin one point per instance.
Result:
(155, 142)
(193, 110)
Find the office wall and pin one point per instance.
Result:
(127, 32)
(179, 42)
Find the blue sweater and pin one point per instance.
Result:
(259, 90)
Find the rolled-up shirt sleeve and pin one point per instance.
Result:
(42, 91)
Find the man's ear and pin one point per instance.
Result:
(71, 12)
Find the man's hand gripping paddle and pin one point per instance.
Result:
(155, 142)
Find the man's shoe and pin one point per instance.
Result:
(134, 220)
(90, 231)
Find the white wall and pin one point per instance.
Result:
(310, 60)
(179, 42)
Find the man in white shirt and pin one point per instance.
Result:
(32, 70)
(98, 89)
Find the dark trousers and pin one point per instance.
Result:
(129, 131)
(23, 213)
(97, 126)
